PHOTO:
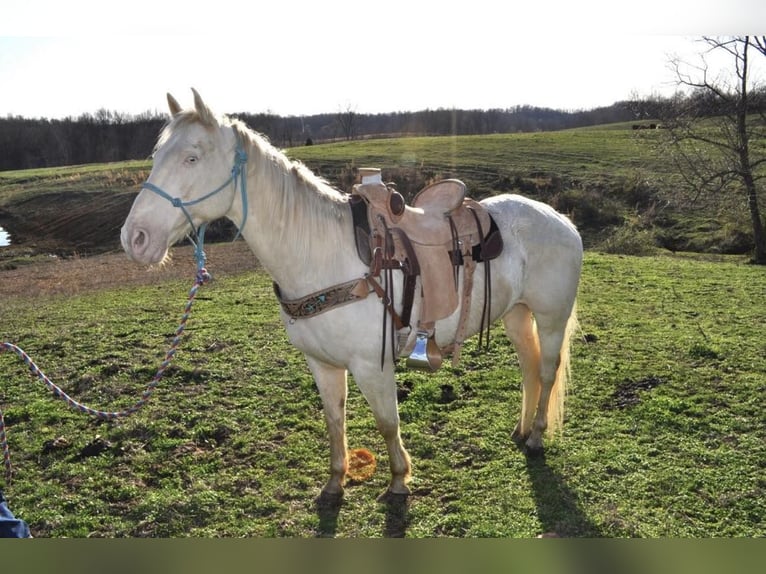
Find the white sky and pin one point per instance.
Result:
(64, 58)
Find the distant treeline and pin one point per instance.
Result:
(110, 136)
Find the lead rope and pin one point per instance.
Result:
(202, 277)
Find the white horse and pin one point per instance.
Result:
(300, 229)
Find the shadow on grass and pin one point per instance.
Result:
(397, 515)
(328, 507)
(562, 516)
(558, 507)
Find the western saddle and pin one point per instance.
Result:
(431, 239)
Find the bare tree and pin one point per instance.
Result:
(347, 121)
(712, 129)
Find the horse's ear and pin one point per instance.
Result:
(175, 108)
(206, 116)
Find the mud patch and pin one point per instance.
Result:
(627, 393)
(82, 222)
(42, 276)
(94, 448)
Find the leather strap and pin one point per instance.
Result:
(319, 302)
(465, 309)
(486, 311)
(384, 263)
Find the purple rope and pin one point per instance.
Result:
(202, 277)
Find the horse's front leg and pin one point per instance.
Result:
(333, 388)
(379, 389)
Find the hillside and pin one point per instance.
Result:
(610, 179)
(111, 136)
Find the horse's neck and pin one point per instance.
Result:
(302, 236)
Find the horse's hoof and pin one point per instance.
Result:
(518, 437)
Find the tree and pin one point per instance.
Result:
(347, 121)
(713, 129)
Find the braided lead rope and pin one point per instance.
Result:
(202, 277)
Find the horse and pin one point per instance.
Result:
(300, 229)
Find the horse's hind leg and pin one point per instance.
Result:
(333, 389)
(552, 334)
(521, 330)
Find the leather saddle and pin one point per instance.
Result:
(431, 239)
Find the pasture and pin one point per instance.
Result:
(664, 434)
(603, 177)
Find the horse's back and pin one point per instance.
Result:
(542, 251)
(533, 220)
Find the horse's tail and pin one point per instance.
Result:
(563, 376)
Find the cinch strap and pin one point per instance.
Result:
(321, 301)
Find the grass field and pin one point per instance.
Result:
(606, 178)
(664, 436)
(586, 156)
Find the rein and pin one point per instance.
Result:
(202, 277)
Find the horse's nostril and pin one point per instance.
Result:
(139, 239)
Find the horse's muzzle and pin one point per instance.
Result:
(137, 243)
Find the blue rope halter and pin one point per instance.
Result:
(240, 159)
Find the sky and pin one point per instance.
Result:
(295, 57)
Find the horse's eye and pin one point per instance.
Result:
(192, 159)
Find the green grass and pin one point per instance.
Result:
(585, 156)
(597, 157)
(19, 185)
(664, 434)
(607, 178)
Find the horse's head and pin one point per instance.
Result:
(190, 183)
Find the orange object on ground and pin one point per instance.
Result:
(361, 464)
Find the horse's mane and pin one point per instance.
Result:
(303, 176)
(301, 207)
(306, 206)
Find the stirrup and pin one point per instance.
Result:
(426, 354)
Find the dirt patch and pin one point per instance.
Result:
(68, 222)
(68, 242)
(627, 392)
(76, 223)
(51, 275)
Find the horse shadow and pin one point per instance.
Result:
(558, 507)
(559, 510)
(562, 516)
(328, 508)
(397, 514)
(396, 522)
